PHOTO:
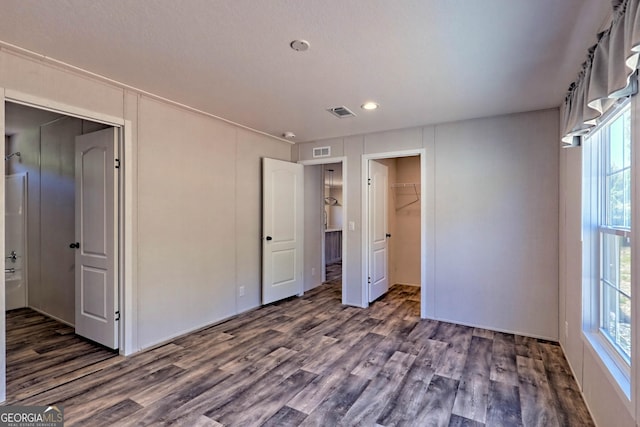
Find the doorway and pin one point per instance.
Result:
(394, 224)
(325, 224)
(42, 256)
(333, 222)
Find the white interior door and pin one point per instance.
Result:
(282, 229)
(378, 230)
(96, 279)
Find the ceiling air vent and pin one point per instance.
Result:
(321, 152)
(341, 112)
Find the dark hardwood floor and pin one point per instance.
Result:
(42, 353)
(302, 361)
(334, 271)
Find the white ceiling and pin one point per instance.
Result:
(424, 61)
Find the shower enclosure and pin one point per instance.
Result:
(15, 241)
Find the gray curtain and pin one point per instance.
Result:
(608, 74)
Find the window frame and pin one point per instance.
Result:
(596, 215)
(625, 359)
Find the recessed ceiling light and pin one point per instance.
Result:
(299, 45)
(369, 106)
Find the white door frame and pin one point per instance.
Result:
(126, 261)
(427, 288)
(345, 202)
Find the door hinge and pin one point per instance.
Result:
(117, 315)
(369, 280)
(368, 181)
(117, 163)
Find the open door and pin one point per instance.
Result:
(96, 279)
(283, 229)
(378, 230)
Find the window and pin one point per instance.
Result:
(607, 233)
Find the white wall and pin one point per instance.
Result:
(186, 244)
(193, 250)
(492, 220)
(196, 197)
(497, 223)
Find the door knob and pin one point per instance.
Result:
(388, 235)
(269, 238)
(75, 245)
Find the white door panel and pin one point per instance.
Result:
(93, 179)
(96, 278)
(94, 289)
(378, 229)
(283, 222)
(283, 266)
(379, 258)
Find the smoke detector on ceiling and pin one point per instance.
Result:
(289, 135)
(341, 112)
(299, 45)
